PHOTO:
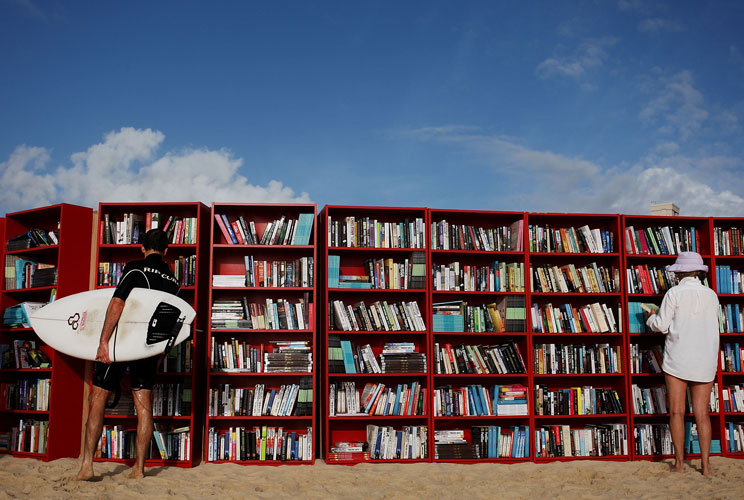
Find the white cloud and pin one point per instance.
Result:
(633, 5)
(125, 167)
(658, 25)
(555, 182)
(589, 54)
(678, 108)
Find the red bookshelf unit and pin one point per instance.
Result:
(46, 253)
(179, 383)
(375, 331)
(480, 375)
(651, 244)
(577, 357)
(728, 265)
(262, 335)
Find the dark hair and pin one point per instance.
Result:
(155, 239)
(701, 275)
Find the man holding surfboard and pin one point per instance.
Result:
(153, 273)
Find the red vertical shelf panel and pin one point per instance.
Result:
(71, 256)
(188, 423)
(229, 259)
(352, 260)
(542, 257)
(635, 256)
(727, 261)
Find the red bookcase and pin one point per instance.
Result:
(639, 256)
(575, 304)
(728, 263)
(477, 261)
(361, 319)
(60, 419)
(262, 337)
(179, 384)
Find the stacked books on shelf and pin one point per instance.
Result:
(505, 315)
(25, 394)
(21, 272)
(279, 314)
(32, 238)
(377, 316)
(567, 318)
(585, 400)
(646, 359)
(407, 398)
(387, 443)
(239, 356)
(395, 357)
(728, 241)
(588, 441)
(572, 279)
(366, 232)
(493, 277)
(277, 273)
(477, 400)
(388, 273)
(133, 226)
(259, 443)
(733, 398)
(488, 441)
(734, 434)
(664, 240)
(504, 358)
(730, 318)
(637, 314)
(23, 354)
(450, 236)
(570, 240)
(732, 357)
(30, 436)
(729, 280)
(649, 279)
(226, 400)
(576, 359)
(281, 231)
(17, 316)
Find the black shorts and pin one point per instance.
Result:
(141, 374)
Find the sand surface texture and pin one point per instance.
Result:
(26, 478)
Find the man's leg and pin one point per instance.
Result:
(677, 392)
(97, 400)
(143, 403)
(700, 401)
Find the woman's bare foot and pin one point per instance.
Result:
(136, 474)
(86, 473)
(678, 466)
(707, 472)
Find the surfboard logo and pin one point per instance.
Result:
(74, 321)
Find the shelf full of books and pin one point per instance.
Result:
(578, 349)
(262, 335)
(46, 253)
(376, 363)
(480, 375)
(728, 260)
(178, 393)
(651, 245)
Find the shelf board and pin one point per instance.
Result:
(232, 246)
(376, 332)
(374, 249)
(259, 374)
(573, 254)
(29, 412)
(262, 288)
(485, 253)
(377, 290)
(25, 370)
(156, 417)
(479, 375)
(30, 290)
(137, 246)
(568, 375)
(376, 417)
(248, 330)
(579, 417)
(476, 293)
(576, 294)
(33, 250)
(373, 375)
(483, 334)
(262, 417)
(453, 418)
(262, 462)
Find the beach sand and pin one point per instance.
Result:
(27, 478)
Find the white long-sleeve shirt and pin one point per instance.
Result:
(689, 316)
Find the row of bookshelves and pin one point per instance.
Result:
(383, 319)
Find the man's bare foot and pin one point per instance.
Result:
(678, 466)
(85, 474)
(136, 474)
(707, 472)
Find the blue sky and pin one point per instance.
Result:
(587, 106)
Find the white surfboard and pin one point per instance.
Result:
(72, 324)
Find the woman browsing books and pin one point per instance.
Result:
(689, 317)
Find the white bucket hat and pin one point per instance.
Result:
(687, 262)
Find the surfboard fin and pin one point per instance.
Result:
(164, 324)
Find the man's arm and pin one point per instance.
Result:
(113, 313)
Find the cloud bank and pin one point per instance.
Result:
(561, 183)
(126, 167)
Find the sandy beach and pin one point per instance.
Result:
(27, 478)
